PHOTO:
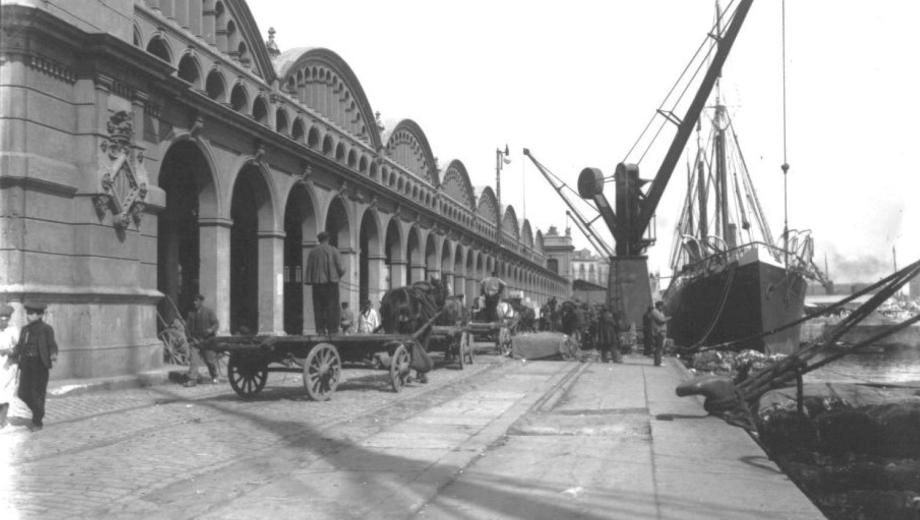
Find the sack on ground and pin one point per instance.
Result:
(421, 361)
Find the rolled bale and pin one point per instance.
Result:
(544, 345)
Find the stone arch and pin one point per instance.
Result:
(370, 257)
(216, 86)
(413, 255)
(189, 70)
(337, 224)
(299, 226)
(159, 47)
(239, 97)
(246, 31)
(252, 214)
(187, 177)
(313, 137)
(431, 256)
(457, 282)
(297, 129)
(281, 121)
(394, 254)
(260, 109)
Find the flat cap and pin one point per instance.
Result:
(34, 305)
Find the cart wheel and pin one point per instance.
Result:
(466, 349)
(247, 374)
(399, 368)
(504, 341)
(322, 371)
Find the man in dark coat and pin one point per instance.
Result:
(37, 352)
(607, 339)
(201, 325)
(323, 271)
(648, 333)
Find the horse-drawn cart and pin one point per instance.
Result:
(319, 358)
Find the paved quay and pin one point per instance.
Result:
(502, 439)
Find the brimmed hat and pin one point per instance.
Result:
(6, 310)
(35, 306)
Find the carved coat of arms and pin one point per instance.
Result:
(122, 177)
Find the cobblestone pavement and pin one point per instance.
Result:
(140, 452)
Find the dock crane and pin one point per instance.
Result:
(597, 242)
(628, 222)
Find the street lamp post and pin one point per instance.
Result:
(501, 159)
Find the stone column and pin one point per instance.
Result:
(309, 323)
(376, 278)
(214, 269)
(271, 282)
(397, 274)
(418, 272)
(348, 286)
(459, 284)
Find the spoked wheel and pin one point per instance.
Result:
(466, 349)
(322, 371)
(247, 374)
(399, 368)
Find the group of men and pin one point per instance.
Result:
(26, 358)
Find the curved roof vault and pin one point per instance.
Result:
(324, 82)
(408, 146)
(510, 223)
(249, 31)
(527, 234)
(487, 205)
(456, 183)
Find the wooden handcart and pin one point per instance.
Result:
(455, 341)
(319, 358)
(497, 331)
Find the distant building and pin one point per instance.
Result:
(590, 267)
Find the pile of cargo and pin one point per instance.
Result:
(854, 451)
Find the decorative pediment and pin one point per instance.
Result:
(122, 176)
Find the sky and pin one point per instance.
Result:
(577, 81)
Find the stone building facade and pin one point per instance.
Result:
(151, 150)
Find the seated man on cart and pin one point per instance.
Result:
(492, 289)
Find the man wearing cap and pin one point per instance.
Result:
(323, 271)
(37, 352)
(201, 325)
(9, 336)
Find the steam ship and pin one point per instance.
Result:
(732, 281)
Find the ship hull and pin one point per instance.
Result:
(758, 297)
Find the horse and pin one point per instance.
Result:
(406, 310)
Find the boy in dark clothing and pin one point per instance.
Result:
(37, 352)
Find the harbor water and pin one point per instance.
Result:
(883, 365)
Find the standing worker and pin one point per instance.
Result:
(201, 326)
(607, 340)
(37, 352)
(323, 271)
(660, 326)
(648, 334)
(9, 336)
(492, 288)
